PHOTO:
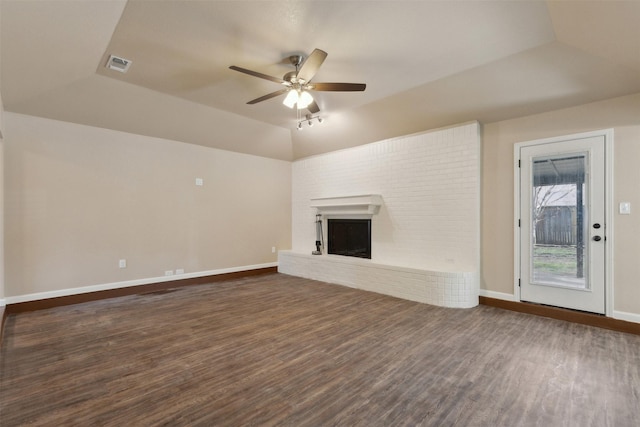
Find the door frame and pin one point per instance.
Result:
(608, 209)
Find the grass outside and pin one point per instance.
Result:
(555, 260)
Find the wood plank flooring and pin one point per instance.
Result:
(280, 350)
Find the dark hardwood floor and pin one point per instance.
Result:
(281, 350)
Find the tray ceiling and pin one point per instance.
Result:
(426, 64)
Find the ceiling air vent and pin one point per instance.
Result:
(118, 64)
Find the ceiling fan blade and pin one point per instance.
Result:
(311, 65)
(268, 96)
(338, 87)
(313, 108)
(257, 74)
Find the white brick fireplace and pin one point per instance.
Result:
(422, 193)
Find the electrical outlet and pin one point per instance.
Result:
(179, 270)
(199, 182)
(273, 249)
(122, 263)
(168, 273)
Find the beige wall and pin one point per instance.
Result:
(1, 187)
(79, 198)
(2, 292)
(623, 115)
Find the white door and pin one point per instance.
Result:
(562, 224)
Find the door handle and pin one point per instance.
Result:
(597, 238)
(596, 225)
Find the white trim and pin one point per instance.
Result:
(2, 302)
(516, 222)
(129, 283)
(609, 211)
(498, 295)
(609, 217)
(629, 317)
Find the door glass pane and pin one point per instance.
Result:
(559, 221)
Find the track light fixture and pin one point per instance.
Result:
(309, 119)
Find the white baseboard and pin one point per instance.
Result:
(497, 295)
(2, 302)
(629, 317)
(129, 283)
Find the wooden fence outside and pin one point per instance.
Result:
(557, 226)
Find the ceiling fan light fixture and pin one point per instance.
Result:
(304, 100)
(291, 99)
(298, 83)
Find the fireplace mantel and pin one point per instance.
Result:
(366, 204)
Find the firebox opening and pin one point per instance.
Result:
(349, 237)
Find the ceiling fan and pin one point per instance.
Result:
(298, 83)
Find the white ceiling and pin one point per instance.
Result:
(426, 64)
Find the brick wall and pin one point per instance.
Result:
(430, 185)
(447, 289)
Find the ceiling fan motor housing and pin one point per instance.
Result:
(291, 77)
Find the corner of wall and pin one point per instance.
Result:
(1, 191)
(1, 199)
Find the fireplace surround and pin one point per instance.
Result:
(421, 193)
